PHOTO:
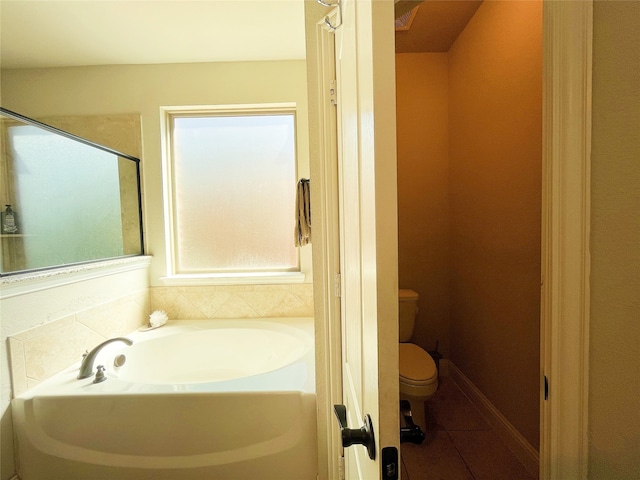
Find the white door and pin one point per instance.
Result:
(365, 69)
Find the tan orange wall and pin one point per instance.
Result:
(495, 150)
(423, 172)
(469, 200)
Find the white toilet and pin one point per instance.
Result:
(418, 372)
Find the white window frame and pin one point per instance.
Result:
(167, 113)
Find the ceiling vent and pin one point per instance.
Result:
(403, 22)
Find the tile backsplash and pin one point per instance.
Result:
(234, 301)
(40, 352)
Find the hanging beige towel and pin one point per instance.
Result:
(303, 213)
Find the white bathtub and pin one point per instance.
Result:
(194, 400)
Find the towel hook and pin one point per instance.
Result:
(328, 23)
(326, 19)
(325, 4)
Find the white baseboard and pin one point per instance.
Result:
(520, 447)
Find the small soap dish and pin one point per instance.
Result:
(146, 328)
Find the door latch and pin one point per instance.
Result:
(389, 463)
(356, 436)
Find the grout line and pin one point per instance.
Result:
(460, 455)
(478, 429)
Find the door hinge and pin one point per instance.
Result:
(337, 285)
(341, 467)
(333, 96)
(546, 387)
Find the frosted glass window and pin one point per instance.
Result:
(68, 195)
(234, 182)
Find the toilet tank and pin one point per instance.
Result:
(408, 308)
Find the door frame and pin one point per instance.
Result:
(565, 256)
(566, 195)
(326, 236)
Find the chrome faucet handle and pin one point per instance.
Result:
(100, 375)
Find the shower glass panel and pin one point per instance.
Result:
(68, 200)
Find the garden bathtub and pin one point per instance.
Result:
(192, 400)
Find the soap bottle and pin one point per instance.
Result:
(9, 223)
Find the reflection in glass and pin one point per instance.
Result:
(75, 201)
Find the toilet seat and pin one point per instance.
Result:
(417, 368)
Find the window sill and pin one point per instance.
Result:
(267, 278)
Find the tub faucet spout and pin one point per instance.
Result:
(86, 368)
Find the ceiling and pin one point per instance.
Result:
(50, 33)
(53, 33)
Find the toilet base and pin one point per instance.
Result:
(417, 410)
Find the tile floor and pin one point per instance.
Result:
(459, 444)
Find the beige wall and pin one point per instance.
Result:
(469, 186)
(614, 380)
(142, 89)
